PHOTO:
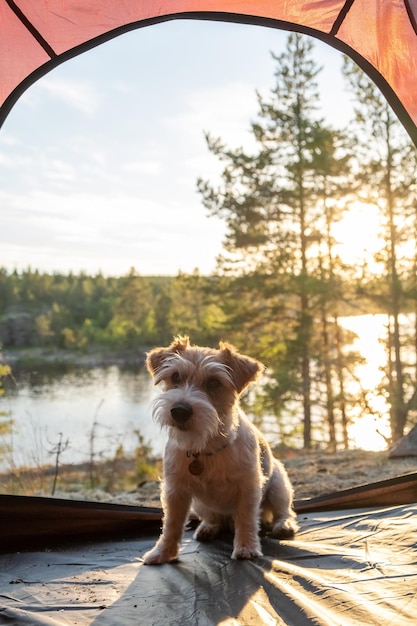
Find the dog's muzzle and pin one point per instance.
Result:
(181, 412)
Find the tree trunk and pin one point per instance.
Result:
(341, 379)
(399, 410)
(332, 444)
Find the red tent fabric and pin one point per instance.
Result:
(381, 37)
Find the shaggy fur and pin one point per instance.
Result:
(215, 459)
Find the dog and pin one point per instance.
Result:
(215, 459)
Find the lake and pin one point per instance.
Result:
(99, 409)
(96, 410)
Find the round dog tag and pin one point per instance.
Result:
(195, 467)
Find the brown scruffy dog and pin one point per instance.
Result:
(215, 459)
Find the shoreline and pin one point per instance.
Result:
(93, 357)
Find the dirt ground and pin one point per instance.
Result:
(312, 474)
(316, 474)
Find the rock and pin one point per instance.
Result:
(16, 330)
(407, 446)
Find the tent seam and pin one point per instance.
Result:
(341, 17)
(31, 28)
(410, 15)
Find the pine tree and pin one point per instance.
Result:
(387, 173)
(274, 202)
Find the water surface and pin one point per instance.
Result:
(97, 410)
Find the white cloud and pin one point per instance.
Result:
(82, 96)
(13, 160)
(60, 171)
(224, 111)
(152, 167)
(111, 233)
(10, 141)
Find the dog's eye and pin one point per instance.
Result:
(213, 383)
(175, 378)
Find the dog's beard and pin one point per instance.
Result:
(200, 427)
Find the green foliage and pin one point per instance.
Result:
(126, 313)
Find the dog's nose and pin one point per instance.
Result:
(181, 411)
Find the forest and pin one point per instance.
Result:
(122, 313)
(282, 283)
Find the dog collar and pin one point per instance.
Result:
(196, 466)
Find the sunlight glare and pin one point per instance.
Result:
(365, 429)
(364, 433)
(357, 234)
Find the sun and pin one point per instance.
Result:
(358, 234)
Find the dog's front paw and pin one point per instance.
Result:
(159, 555)
(246, 552)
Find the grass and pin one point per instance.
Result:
(110, 476)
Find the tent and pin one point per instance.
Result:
(381, 37)
(354, 560)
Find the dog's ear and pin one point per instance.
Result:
(157, 356)
(180, 343)
(243, 369)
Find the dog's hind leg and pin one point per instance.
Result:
(247, 544)
(211, 524)
(277, 503)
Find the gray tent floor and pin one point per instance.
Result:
(350, 567)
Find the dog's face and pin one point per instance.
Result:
(201, 387)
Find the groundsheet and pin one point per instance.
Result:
(344, 568)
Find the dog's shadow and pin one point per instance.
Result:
(206, 587)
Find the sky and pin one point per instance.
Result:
(99, 159)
